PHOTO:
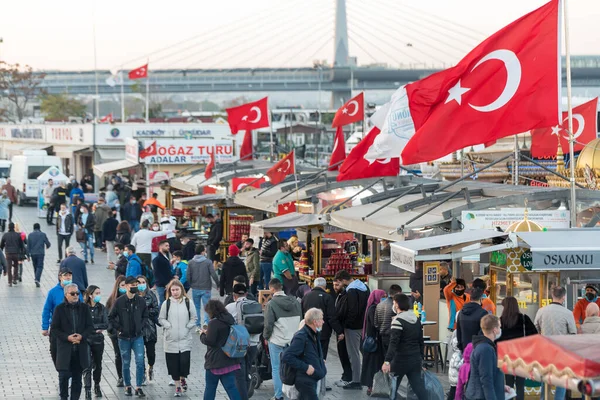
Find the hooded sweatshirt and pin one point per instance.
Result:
(591, 325)
(406, 343)
(357, 297)
(486, 381)
(282, 317)
(464, 371)
(468, 323)
(199, 273)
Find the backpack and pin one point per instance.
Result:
(237, 342)
(287, 373)
(148, 274)
(250, 315)
(187, 304)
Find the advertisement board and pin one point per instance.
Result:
(186, 151)
(490, 219)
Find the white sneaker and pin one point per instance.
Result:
(341, 383)
(171, 383)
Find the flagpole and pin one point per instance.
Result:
(272, 149)
(147, 93)
(215, 164)
(573, 207)
(97, 107)
(122, 95)
(296, 180)
(516, 162)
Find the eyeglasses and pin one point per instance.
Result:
(73, 294)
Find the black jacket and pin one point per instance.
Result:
(109, 229)
(319, 298)
(268, 248)
(100, 321)
(149, 330)
(58, 197)
(189, 250)
(123, 237)
(12, 243)
(89, 223)
(216, 234)
(384, 313)
(406, 343)
(162, 270)
(38, 243)
(416, 281)
(467, 324)
(67, 320)
(523, 327)
(68, 224)
(77, 266)
(486, 381)
(233, 267)
(341, 305)
(305, 349)
(356, 307)
(121, 266)
(214, 339)
(131, 212)
(128, 316)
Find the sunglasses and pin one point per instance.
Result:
(73, 294)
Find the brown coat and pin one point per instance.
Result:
(11, 192)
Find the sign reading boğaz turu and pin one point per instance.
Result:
(545, 260)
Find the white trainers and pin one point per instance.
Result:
(341, 383)
(171, 383)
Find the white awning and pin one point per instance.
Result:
(201, 200)
(291, 220)
(405, 254)
(117, 153)
(270, 199)
(190, 183)
(101, 169)
(67, 151)
(12, 147)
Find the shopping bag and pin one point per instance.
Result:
(80, 236)
(290, 391)
(434, 388)
(382, 385)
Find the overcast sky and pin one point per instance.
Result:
(261, 33)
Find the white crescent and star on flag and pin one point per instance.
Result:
(258, 115)
(580, 127)
(288, 165)
(346, 109)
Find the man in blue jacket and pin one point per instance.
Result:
(77, 268)
(486, 381)
(134, 263)
(37, 243)
(306, 355)
(55, 296)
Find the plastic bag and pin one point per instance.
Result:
(433, 387)
(290, 391)
(382, 385)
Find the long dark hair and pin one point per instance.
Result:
(510, 313)
(214, 308)
(115, 292)
(88, 295)
(123, 227)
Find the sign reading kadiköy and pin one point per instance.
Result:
(561, 260)
(186, 151)
(490, 219)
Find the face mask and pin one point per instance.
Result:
(319, 329)
(499, 334)
(394, 309)
(122, 290)
(67, 282)
(133, 290)
(459, 292)
(155, 228)
(82, 210)
(97, 298)
(590, 296)
(132, 201)
(125, 253)
(142, 287)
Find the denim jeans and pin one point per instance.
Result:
(88, 245)
(126, 346)
(267, 269)
(160, 293)
(135, 225)
(38, 265)
(201, 296)
(559, 393)
(275, 352)
(228, 382)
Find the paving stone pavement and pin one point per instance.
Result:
(26, 370)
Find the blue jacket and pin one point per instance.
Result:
(134, 266)
(55, 296)
(4, 203)
(486, 381)
(76, 192)
(306, 350)
(37, 243)
(182, 273)
(76, 265)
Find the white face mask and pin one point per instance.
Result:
(155, 228)
(499, 334)
(394, 309)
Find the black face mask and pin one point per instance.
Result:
(590, 296)
(133, 290)
(459, 292)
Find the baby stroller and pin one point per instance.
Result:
(261, 371)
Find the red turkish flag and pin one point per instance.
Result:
(286, 166)
(339, 149)
(507, 85)
(107, 118)
(246, 150)
(208, 172)
(351, 112)
(357, 166)
(249, 116)
(139, 73)
(286, 208)
(544, 142)
(149, 151)
(238, 184)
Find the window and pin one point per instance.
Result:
(5, 172)
(36, 170)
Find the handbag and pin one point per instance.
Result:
(382, 385)
(80, 236)
(369, 345)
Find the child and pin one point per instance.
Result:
(180, 268)
(456, 361)
(465, 370)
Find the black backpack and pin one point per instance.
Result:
(287, 373)
(251, 316)
(187, 304)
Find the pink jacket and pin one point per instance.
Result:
(463, 374)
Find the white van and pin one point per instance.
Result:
(25, 170)
(4, 171)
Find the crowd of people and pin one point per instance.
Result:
(163, 290)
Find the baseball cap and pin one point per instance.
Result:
(65, 271)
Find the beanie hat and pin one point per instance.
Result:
(234, 251)
(592, 287)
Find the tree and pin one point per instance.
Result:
(61, 107)
(19, 85)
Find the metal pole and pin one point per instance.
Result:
(147, 96)
(462, 163)
(272, 146)
(516, 162)
(97, 108)
(573, 207)
(122, 95)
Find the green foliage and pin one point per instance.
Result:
(61, 107)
